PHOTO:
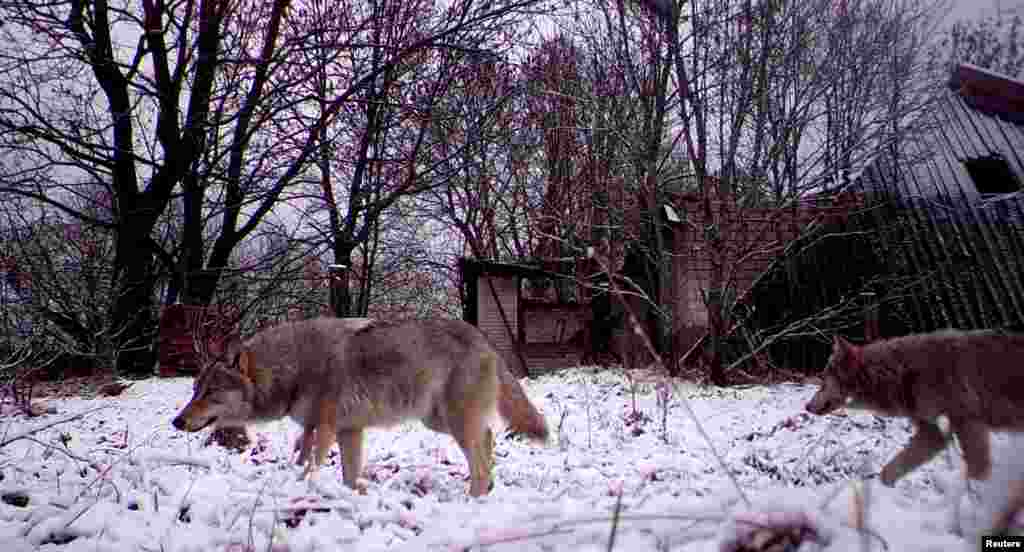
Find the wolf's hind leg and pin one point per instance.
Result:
(477, 442)
(351, 443)
(974, 440)
(470, 410)
(927, 441)
(326, 426)
(489, 453)
(326, 431)
(304, 444)
(1010, 509)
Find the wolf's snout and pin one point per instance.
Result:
(178, 423)
(819, 406)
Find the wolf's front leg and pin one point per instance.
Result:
(1009, 511)
(351, 443)
(974, 440)
(927, 441)
(326, 428)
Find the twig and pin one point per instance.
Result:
(63, 450)
(73, 518)
(8, 440)
(252, 516)
(639, 331)
(101, 475)
(615, 522)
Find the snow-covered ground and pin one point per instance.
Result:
(119, 477)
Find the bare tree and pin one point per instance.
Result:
(480, 138)
(197, 102)
(61, 278)
(780, 100)
(772, 102)
(993, 43)
(382, 150)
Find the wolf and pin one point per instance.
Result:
(336, 377)
(973, 378)
(1008, 515)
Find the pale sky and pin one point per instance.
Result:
(972, 8)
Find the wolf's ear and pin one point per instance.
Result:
(250, 370)
(840, 344)
(851, 355)
(245, 364)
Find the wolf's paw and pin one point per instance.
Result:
(889, 476)
(359, 486)
(309, 471)
(979, 471)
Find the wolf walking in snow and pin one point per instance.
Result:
(974, 378)
(336, 377)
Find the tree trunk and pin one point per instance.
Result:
(341, 297)
(132, 321)
(202, 281)
(716, 371)
(195, 282)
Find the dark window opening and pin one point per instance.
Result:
(549, 290)
(992, 175)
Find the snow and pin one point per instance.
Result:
(119, 477)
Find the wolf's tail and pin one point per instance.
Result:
(516, 409)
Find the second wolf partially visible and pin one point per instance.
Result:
(974, 378)
(339, 379)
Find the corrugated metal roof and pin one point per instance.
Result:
(934, 171)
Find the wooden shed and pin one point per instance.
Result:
(521, 312)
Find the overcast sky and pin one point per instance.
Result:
(972, 8)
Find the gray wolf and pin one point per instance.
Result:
(974, 378)
(336, 377)
(1005, 518)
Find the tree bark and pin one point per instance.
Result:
(132, 321)
(341, 296)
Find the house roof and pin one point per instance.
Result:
(975, 139)
(481, 267)
(989, 92)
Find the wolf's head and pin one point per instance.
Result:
(222, 393)
(831, 392)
